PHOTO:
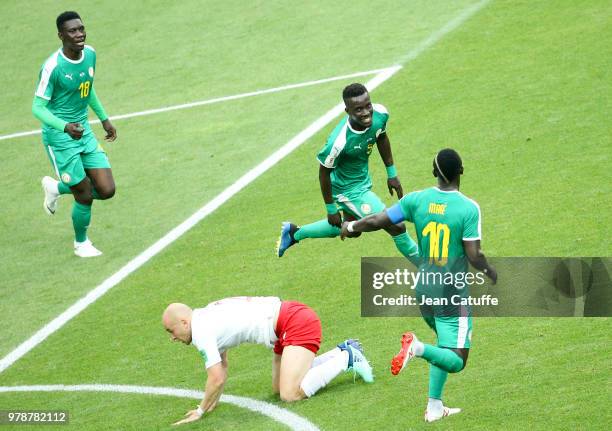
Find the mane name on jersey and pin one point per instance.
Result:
(437, 208)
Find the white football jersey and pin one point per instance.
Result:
(232, 321)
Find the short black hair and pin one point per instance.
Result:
(65, 16)
(448, 164)
(353, 90)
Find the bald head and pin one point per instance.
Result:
(175, 312)
(177, 321)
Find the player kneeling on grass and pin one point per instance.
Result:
(448, 230)
(292, 329)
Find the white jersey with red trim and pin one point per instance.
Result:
(232, 321)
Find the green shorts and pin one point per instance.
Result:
(70, 163)
(452, 332)
(361, 205)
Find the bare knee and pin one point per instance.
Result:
(102, 181)
(82, 197)
(106, 192)
(291, 393)
(290, 396)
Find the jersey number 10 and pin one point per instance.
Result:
(84, 87)
(434, 231)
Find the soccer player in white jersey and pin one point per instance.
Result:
(290, 328)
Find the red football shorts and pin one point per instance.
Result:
(298, 325)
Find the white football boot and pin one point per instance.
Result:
(86, 249)
(446, 411)
(49, 186)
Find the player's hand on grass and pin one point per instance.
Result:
(394, 184)
(344, 233)
(111, 132)
(190, 416)
(334, 219)
(75, 130)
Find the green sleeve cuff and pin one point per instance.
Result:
(40, 111)
(331, 208)
(96, 105)
(391, 171)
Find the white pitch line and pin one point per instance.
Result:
(212, 101)
(436, 36)
(278, 414)
(245, 180)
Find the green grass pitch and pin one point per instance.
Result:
(521, 89)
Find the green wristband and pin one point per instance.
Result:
(331, 208)
(391, 171)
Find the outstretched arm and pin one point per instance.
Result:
(217, 375)
(333, 216)
(478, 260)
(96, 106)
(384, 149)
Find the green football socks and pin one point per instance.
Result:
(63, 188)
(441, 362)
(322, 229)
(437, 379)
(407, 247)
(318, 229)
(446, 359)
(81, 216)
